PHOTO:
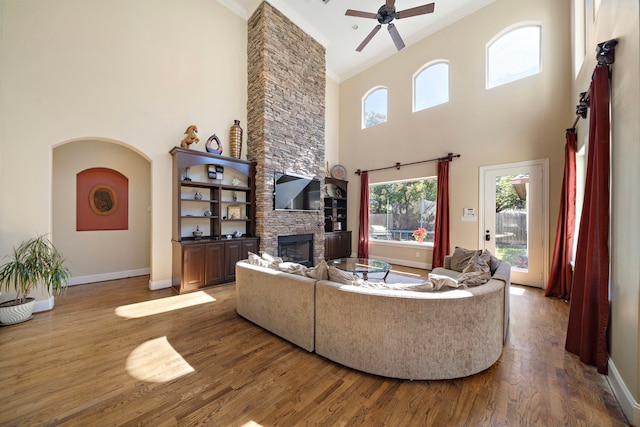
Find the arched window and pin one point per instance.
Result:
(513, 55)
(374, 107)
(431, 86)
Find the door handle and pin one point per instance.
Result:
(487, 235)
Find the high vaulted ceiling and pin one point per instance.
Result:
(340, 34)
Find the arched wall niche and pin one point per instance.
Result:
(98, 255)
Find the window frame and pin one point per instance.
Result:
(506, 31)
(363, 115)
(422, 69)
(402, 243)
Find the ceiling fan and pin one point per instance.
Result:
(385, 15)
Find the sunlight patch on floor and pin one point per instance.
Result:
(163, 305)
(405, 273)
(157, 361)
(516, 291)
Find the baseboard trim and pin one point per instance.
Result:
(81, 280)
(154, 285)
(629, 406)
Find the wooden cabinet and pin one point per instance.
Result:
(337, 244)
(233, 254)
(197, 265)
(193, 260)
(214, 195)
(214, 264)
(337, 239)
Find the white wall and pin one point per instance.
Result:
(102, 254)
(134, 71)
(519, 121)
(332, 121)
(619, 19)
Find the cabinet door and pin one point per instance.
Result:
(249, 246)
(344, 244)
(214, 270)
(232, 254)
(193, 267)
(330, 245)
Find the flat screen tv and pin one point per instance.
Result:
(296, 193)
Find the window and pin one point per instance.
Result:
(431, 86)
(579, 36)
(398, 208)
(513, 55)
(374, 107)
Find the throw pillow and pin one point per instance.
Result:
(461, 257)
(257, 260)
(274, 262)
(292, 268)
(341, 276)
(476, 272)
(491, 260)
(476, 264)
(319, 272)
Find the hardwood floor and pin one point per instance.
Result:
(115, 353)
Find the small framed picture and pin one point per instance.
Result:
(234, 212)
(337, 226)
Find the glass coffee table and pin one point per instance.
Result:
(363, 266)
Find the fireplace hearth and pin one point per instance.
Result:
(296, 248)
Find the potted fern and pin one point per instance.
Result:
(35, 263)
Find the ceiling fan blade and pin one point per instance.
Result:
(390, 4)
(360, 14)
(419, 10)
(395, 36)
(368, 38)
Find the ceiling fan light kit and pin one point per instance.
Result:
(385, 15)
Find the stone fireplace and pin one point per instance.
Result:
(285, 121)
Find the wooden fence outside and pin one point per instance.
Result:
(511, 228)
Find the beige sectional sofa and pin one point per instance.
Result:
(389, 332)
(280, 302)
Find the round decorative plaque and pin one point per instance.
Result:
(338, 172)
(103, 200)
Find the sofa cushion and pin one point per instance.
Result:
(461, 257)
(341, 276)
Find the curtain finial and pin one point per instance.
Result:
(606, 52)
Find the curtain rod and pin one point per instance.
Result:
(605, 55)
(449, 157)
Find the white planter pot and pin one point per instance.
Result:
(11, 314)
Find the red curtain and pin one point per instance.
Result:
(441, 233)
(560, 276)
(363, 233)
(589, 309)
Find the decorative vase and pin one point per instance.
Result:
(235, 139)
(419, 239)
(197, 235)
(209, 146)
